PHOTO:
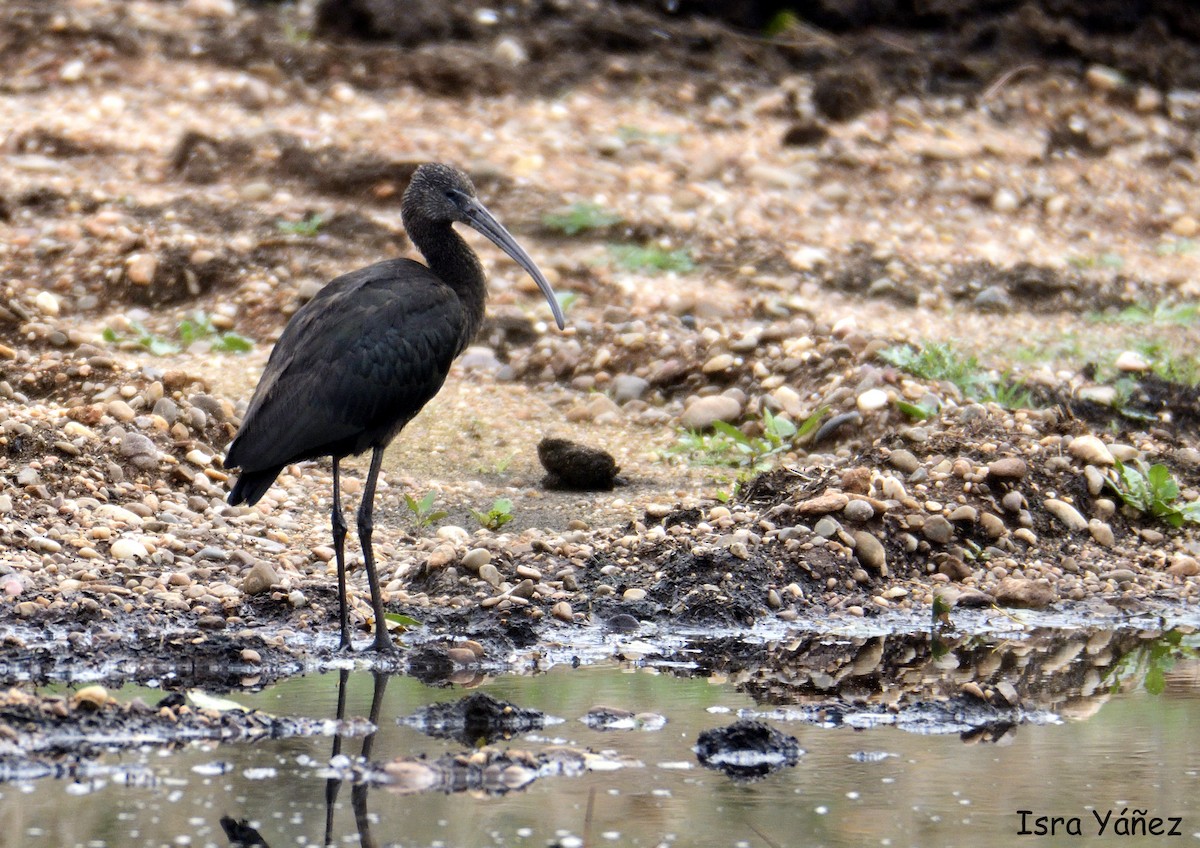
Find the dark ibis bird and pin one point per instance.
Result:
(359, 361)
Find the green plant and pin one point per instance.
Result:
(580, 217)
(496, 517)
(141, 338)
(650, 258)
(1165, 312)
(1176, 247)
(308, 226)
(400, 621)
(1150, 661)
(188, 331)
(918, 411)
(633, 134)
(1153, 491)
(423, 510)
(200, 326)
(1170, 364)
(941, 362)
(729, 446)
(1100, 260)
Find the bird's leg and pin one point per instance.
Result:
(339, 551)
(382, 641)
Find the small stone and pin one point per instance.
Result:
(1101, 532)
(634, 594)
(903, 460)
(260, 578)
(703, 412)
(1066, 513)
(91, 697)
(627, 387)
(440, 557)
(251, 656)
(1185, 226)
(1020, 592)
(490, 575)
(121, 411)
(1091, 450)
(1183, 565)
(720, 362)
(1012, 501)
(475, 559)
(562, 611)
(1104, 78)
(858, 511)
(1005, 200)
(938, 530)
(964, 513)
(47, 303)
(1007, 468)
(125, 548)
(140, 268)
(827, 527)
(992, 524)
(135, 444)
(823, 504)
(870, 551)
(872, 399)
(1131, 361)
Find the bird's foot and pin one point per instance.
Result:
(383, 644)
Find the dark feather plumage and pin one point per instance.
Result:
(359, 361)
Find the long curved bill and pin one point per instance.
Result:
(479, 218)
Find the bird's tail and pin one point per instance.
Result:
(252, 485)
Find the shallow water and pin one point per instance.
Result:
(852, 787)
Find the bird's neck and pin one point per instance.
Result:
(452, 260)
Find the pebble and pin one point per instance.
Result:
(635, 594)
(858, 511)
(823, 504)
(476, 558)
(720, 362)
(1183, 565)
(1131, 361)
(562, 611)
(1007, 468)
(440, 557)
(827, 527)
(125, 548)
(938, 530)
(1020, 592)
(627, 387)
(992, 524)
(1091, 450)
(490, 574)
(871, 400)
(904, 460)
(121, 411)
(259, 579)
(964, 513)
(1101, 532)
(870, 551)
(1066, 513)
(703, 412)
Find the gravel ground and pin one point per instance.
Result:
(148, 176)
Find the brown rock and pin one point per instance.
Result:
(1007, 468)
(1030, 594)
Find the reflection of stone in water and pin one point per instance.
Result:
(747, 750)
(980, 686)
(476, 717)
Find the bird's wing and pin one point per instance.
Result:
(355, 363)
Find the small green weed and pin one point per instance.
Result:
(1163, 313)
(496, 517)
(918, 411)
(1176, 247)
(1170, 364)
(308, 226)
(940, 361)
(423, 510)
(649, 258)
(189, 330)
(728, 446)
(580, 217)
(1153, 491)
(634, 134)
(1100, 260)
(400, 621)
(1152, 660)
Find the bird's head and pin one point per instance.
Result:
(439, 194)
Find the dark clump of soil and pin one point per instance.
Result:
(747, 750)
(570, 465)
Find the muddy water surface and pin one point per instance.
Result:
(1099, 725)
